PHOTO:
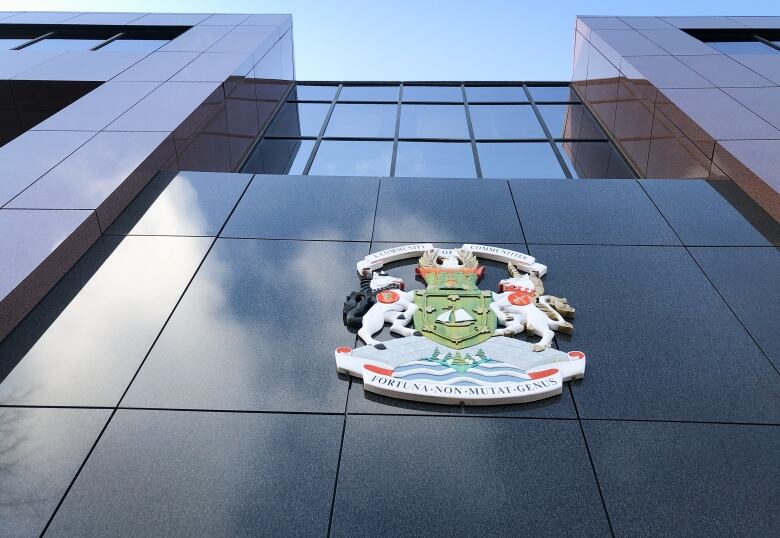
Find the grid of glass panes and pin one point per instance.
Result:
(436, 130)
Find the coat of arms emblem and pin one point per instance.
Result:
(456, 342)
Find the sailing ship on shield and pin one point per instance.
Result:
(457, 343)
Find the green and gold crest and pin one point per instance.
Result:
(453, 311)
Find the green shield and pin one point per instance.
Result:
(455, 318)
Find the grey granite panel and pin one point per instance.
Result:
(435, 476)
(171, 19)
(196, 39)
(105, 18)
(702, 22)
(90, 352)
(83, 65)
(658, 337)
(41, 17)
(158, 473)
(609, 211)
(28, 157)
(762, 157)
(666, 479)
(645, 23)
(701, 215)
(720, 115)
(98, 108)
(766, 65)
(165, 108)
(236, 340)
(758, 22)
(38, 248)
(187, 203)
(215, 67)
(16, 62)
(763, 101)
(676, 41)
(747, 279)
(615, 44)
(282, 21)
(92, 173)
(724, 71)
(246, 39)
(662, 72)
(40, 452)
(306, 207)
(158, 66)
(224, 19)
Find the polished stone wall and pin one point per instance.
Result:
(678, 107)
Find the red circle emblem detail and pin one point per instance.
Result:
(387, 297)
(520, 298)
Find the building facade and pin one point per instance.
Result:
(180, 220)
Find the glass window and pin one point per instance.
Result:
(553, 93)
(64, 45)
(434, 121)
(498, 94)
(448, 94)
(742, 47)
(505, 121)
(8, 43)
(435, 159)
(352, 158)
(369, 93)
(594, 160)
(313, 93)
(299, 119)
(279, 156)
(519, 160)
(570, 121)
(134, 45)
(374, 121)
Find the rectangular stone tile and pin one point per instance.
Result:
(663, 72)
(215, 67)
(252, 305)
(224, 19)
(306, 207)
(169, 473)
(105, 18)
(384, 459)
(702, 22)
(763, 101)
(766, 65)
(677, 42)
(83, 65)
(41, 17)
(661, 479)
(158, 66)
(609, 211)
(615, 44)
(645, 23)
(171, 19)
(16, 62)
(196, 39)
(758, 22)
(38, 247)
(712, 213)
(751, 290)
(721, 116)
(98, 108)
(658, 338)
(29, 156)
(248, 39)
(117, 300)
(724, 72)
(184, 203)
(760, 156)
(40, 452)
(281, 20)
(459, 210)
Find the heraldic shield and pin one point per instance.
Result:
(452, 310)
(455, 343)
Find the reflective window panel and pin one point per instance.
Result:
(519, 160)
(505, 121)
(434, 121)
(498, 94)
(594, 160)
(299, 119)
(444, 94)
(369, 93)
(570, 121)
(353, 120)
(553, 93)
(435, 159)
(65, 45)
(279, 156)
(743, 47)
(352, 158)
(314, 93)
(134, 45)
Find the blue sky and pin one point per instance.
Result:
(425, 39)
